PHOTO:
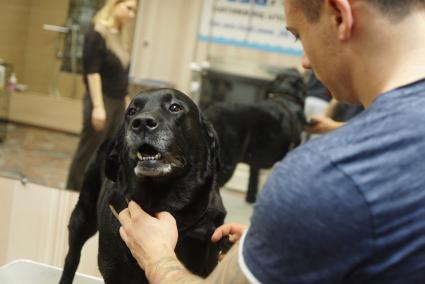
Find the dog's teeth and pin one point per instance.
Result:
(148, 158)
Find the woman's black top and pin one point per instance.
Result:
(97, 58)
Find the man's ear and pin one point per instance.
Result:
(113, 151)
(342, 16)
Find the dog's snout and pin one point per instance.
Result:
(144, 122)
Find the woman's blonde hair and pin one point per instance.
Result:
(104, 18)
(104, 15)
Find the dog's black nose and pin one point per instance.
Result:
(144, 122)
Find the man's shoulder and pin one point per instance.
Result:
(309, 171)
(302, 202)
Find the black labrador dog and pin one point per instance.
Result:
(262, 133)
(165, 157)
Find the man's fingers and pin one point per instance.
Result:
(123, 235)
(114, 212)
(136, 211)
(225, 230)
(132, 212)
(166, 216)
(124, 217)
(217, 235)
(234, 238)
(221, 231)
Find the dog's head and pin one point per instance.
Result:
(164, 136)
(288, 83)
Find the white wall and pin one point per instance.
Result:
(166, 42)
(34, 223)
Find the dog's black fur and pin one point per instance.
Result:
(183, 182)
(262, 133)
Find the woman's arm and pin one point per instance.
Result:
(98, 117)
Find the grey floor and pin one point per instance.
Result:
(238, 211)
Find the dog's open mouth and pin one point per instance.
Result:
(152, 162)
(148, 153)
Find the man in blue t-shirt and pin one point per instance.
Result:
(348, 207)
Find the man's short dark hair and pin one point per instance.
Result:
(395, 9)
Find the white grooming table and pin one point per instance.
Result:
(25, 271)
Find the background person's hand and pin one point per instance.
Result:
(322, 124)
(149, 239)
(98, 118)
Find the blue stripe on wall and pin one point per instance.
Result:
(244, 44)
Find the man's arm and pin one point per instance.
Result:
(152, 242)
(170, 270)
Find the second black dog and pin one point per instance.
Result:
(165, 158)
(261, 133)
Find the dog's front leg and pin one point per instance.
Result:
(82, 226)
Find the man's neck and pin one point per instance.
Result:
(392, 55)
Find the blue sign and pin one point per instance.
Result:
(261, 26)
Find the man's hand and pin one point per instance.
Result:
(149, 239)
(233, 230)
(98, 118)
(322, 124)
(152, 242)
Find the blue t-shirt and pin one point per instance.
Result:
(348, 207)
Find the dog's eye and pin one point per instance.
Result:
(131, 111)
(175, 108)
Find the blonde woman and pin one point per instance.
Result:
(106, 58)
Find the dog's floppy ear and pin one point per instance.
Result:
(214, 145)
(112, 159)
